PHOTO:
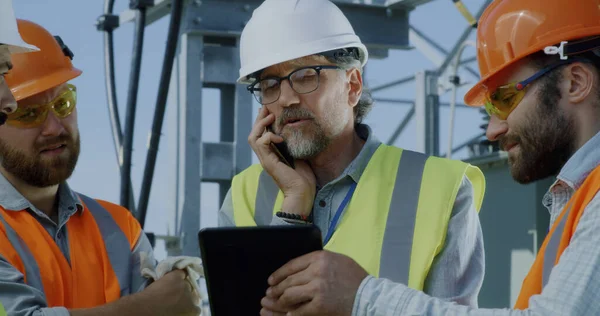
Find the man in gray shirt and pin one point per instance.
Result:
(540, 70)
(397, 213)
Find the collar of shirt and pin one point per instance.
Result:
(575, 171)
(582, 163)
(12, 200)
(356, 168)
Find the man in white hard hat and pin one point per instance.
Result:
(399, 214)
(10, 43)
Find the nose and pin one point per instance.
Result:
(8, 104)
(496, 128)
(288, 96)
(52, 126)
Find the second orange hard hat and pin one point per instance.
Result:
(36, 72)
(510, 30)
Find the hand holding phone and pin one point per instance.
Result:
(295, 178)
(281, 150)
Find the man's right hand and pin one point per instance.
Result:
(173, 294)
(299, 184)
(170, 295)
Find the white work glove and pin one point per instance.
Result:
(192, 265)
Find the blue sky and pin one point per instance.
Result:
(97, 173)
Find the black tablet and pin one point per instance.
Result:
(239, 260)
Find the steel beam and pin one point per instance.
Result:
(410, 102)
(407, 4)
(379, 26)
(410, 78)
(428, 46)
(190, 132)
(217, 161)
(161, 8)
(466, 33)
(427, 112)
(465, 144)
(402, 125)
(376, 25)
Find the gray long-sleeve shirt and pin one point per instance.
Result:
(21, 299)
(457, 272)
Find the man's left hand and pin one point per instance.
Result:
(319, 283)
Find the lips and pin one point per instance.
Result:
(508, 147)
(294, 120)
(53, 147)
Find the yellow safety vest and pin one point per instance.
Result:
(396, 222)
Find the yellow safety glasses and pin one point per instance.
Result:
(505, 99)
(35, 115)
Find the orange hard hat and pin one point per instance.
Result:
(510, 30)
(36, 72)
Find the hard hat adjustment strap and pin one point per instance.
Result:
(566, 49)
(65, 49)
(343, 52)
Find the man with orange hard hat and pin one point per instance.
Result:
(540, 67)
(61, 252)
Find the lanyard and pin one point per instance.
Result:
(338, 213)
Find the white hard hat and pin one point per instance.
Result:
(283, 30)
(9, 33)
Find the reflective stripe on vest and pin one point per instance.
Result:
(100, 242)
(558, 239)
(119, 249)
(400, 224)
(396, 222)
(552, 249)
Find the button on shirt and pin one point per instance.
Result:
(20, 299)
(573, 288)
(458, 271)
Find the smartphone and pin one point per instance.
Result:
(282, 151)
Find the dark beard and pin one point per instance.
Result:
(39, 172)
(546, 142)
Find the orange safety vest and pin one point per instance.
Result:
(101, 239)
(558, 239)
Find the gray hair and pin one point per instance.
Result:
(365, 104)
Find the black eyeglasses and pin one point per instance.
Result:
(303, 80)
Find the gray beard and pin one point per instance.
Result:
(304, 147)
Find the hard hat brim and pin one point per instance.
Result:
(33, 87)
(18, 48)
(299, 52)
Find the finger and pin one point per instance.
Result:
(301, 278)
(259, 126)
(266, 312)
(267, 138)
(271, 304)
(262, 113)
(292, 267)
(296, 295)
(263, 149)
(179, 274)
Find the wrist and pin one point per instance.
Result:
(297, 204)
(294, 218)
